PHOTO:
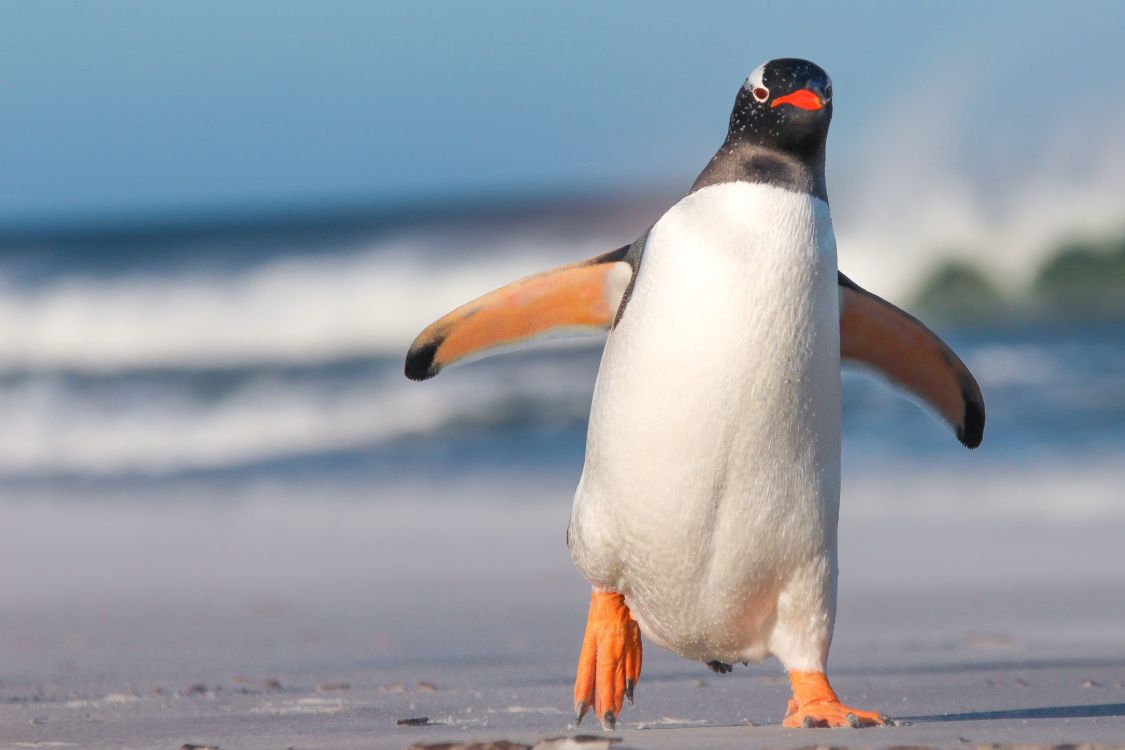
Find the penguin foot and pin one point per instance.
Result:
(610, 663)
(814, 704)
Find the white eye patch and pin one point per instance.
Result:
(754, 80)
(754, 84)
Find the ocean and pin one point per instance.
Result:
(142, 358)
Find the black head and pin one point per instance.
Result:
(778, 129)
(785, 104)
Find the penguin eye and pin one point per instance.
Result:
(761, 93)
(828, 92)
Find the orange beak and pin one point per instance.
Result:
(801, 98)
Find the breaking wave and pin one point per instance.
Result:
(292, 309)
(180, 363)
(160, 422)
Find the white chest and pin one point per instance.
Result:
(712, 462)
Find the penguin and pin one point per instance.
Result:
(706, 513)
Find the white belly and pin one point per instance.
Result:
(710, 492)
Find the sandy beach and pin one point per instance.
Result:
(306, 616)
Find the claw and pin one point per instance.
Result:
(580, 709)
(853, 720)
(719, 667)
(609, 721)
(808, 722)
(630, 686)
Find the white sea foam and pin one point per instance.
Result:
(911, 199)
(187, 419)
(163, 425)
(296, 309)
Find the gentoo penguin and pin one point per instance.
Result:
(707, 510)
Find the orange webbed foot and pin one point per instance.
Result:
(815, 704)
(610, 663)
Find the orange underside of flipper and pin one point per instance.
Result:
(579, 298)
(573, 298)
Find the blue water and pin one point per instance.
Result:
(264, 354)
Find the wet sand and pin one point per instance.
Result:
(311, 617)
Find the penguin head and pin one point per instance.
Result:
(785, 104)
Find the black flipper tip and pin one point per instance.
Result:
(971, 430)
(420, 361)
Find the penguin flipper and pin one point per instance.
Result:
(874, 332)
(573, 300)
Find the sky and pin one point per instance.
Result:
(123, 109)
